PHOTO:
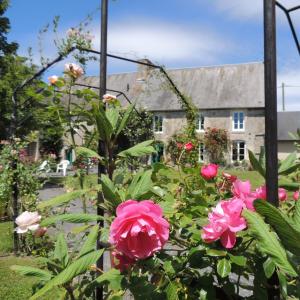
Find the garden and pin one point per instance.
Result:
(123, 226)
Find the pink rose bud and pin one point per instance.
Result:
(53, 79)
(139, 230)
(282, 194)
(40, 232)
(121, 261)
(296, 196)
(224, 222)
(188, 147)
(209, 171)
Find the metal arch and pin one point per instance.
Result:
(287, 12)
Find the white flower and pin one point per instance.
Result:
(28, 221)
(109, 98)
(73, 70)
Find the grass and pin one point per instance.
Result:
(14, 286)
(6, 241)
(255, 178)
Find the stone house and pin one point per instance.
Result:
(229, 97)
(288, 123)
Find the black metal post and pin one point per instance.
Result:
(101, 146)
(15, 187)
(271, 120)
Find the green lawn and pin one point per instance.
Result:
(6, 242)
(255, 178)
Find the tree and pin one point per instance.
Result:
(5, 47)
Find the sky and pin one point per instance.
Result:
(176, 34)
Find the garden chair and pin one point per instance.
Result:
(63, 165)
(45, 166)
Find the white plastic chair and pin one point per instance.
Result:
(45, 166)
(63, 165)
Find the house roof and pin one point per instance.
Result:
(288, 122)
(228, 86)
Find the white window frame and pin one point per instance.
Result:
(237, 142)
(201, 148)
(238, 121)
(154, 123)
(200, 125)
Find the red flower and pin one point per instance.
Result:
(188, 147)
(179, 145)
(209, 171)
(229, 177)
(296, 196)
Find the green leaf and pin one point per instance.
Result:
(140, 185)
(90, 242)
(262, 158)
(70, 218)
(283, 285)
(61, 250)
(171, 291)
(238, 260)
(256, 165)
(41, 275)
(138, 150)
(289, 185)
(86, 152)
(125, 119)
(288, 165)
(113, 277)
(215, 253)
(61, 199)
(78, 267)
(112, 115)
(284, 227)
(224, 267)
(269, 267)
(103, 125)
(108, 189)
(268, 241)
(296, 216)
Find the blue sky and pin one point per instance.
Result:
(174, 33)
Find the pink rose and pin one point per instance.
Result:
(179, 145)
(107, 98)
(242, 190)
(224, 222)
(296, 196)
(121, 261)
(53, 79)
(209, 171)
(188, 147)
(73, 70)
(28, 221)
(282, 194)
(139, 230)
(261, 192)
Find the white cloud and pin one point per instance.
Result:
(165, 42)
(249, 9)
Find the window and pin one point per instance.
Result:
(158, 123)
(200, 122)
(238, 121)
(201, 152)
(238, 150)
